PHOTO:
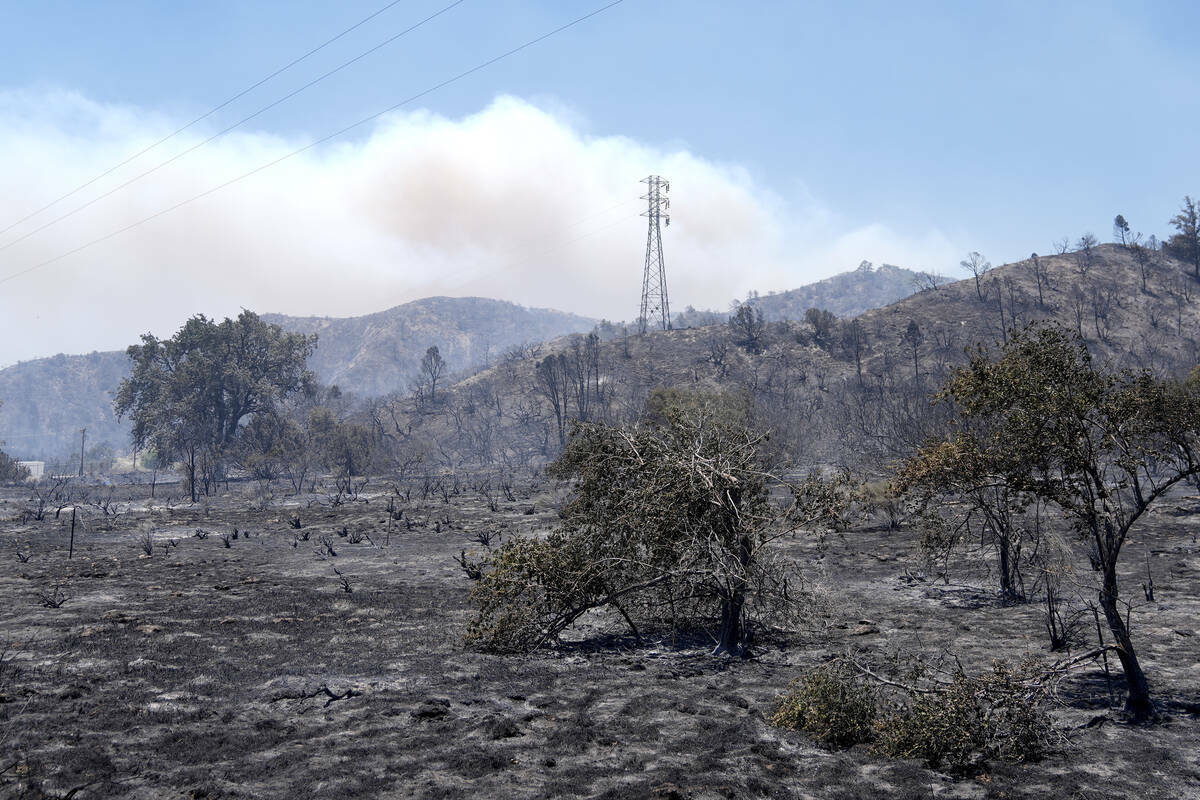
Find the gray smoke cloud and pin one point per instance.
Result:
(516, 202)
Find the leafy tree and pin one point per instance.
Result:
(855, 343)
(962, 492)
(670, 521)
(824, 323)
(1041, 419)
(1085, 254)
(1185, 245)
(100, 457)
(914, 338)
(1121, 230)
(11, 471)
(432, 367)
(345, 447)
(747, 327)
(189, 395)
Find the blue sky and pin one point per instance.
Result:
(913, 131)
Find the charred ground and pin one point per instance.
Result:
(214, 669)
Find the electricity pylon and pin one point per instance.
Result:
(655, 308)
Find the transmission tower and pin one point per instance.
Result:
(655, 308)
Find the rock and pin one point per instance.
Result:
(502, 728)
(433, 708)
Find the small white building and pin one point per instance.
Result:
(36, 469)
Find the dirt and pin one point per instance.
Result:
(204, 670)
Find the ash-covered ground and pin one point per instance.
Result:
(267, 667)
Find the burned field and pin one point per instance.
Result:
(318, 652)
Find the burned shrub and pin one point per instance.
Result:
(669, 523)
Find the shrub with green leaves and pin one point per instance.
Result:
(831, 705)
(996, 715)
(953, 727)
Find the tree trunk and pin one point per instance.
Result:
(733, 635)
(1138, 701)
(733, 629)
(1006, 582)
(192, 473)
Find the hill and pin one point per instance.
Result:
(852, 391)
(847, 294)
(377, 353)
(47, 401)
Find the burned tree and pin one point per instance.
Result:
(669, 523)
(976, 264)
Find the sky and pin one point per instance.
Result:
(799, 139)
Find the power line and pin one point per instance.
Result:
(224, 131)
(314, 143)
(202, 117)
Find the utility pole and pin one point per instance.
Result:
(655, 308)
(82, 440)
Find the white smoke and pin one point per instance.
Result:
(514, 202)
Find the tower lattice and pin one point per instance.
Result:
(656, 310)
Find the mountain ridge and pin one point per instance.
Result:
(46, 401)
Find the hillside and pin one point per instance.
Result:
(845, 393)
(47, 401)
(847, 294)
(377, 353)
(855, 391)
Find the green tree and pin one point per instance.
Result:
(189, 395)
(747, 327)
(1121, 231)
(1041, 419)
(11, 471)
(345, 447)
(824, 325)
(1185, 245)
